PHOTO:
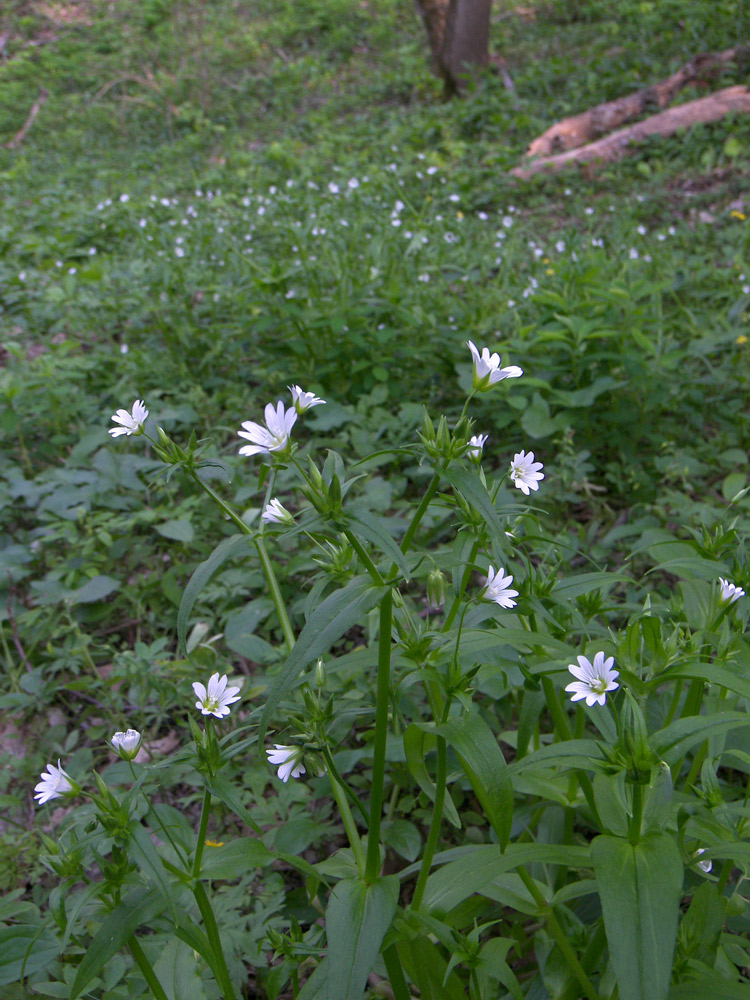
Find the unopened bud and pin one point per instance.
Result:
(436, 588)
(320, 673)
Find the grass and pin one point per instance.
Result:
(217, 200)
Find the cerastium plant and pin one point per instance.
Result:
(598, 855)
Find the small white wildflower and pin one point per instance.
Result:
(705, 866)
(127, 744)
(275, 513)
(641, 230)
(124, 348)
(288, 759)
(633, 253)
(304, 401)
(333, 188)
(131, 423)
(487, 370)
(124, 198)
(729, 592)
(476, 444)
(525, 472)
(423, 277)
(594, 680)
(352, 183)
(217, 697)
(54, 784)
(274, 436)
(498, 589)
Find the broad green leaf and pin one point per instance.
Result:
(712, 674)
(228, 794)
(139, 907)
(357, 918)
(203, 573)
(316, 987)
(640, 887)
(585, 583)
(416, 745)
(178, 972)
(483, 761)
(179, 530)
(459, 879)
(335, 616)
(235, 858)
(570, 755)
(471, 488)
(717, 987)
(371, 528)
(675, 740)
(25, 949)
(426, 966)
(403, 837)
(147, 858)
(96, 589)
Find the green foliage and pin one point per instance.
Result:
(218, 200)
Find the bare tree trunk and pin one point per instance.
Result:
(458, 32)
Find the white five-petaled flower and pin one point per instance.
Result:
(54, 784)
(594, 679)
(487, 370)
(127, 744)
(498, 589)
(525, 472)
(216, 699)
(304, 401)
(476, 443)
(275, 513)
(130, 423)
(288, 759)
(729, 591)
(274, 436)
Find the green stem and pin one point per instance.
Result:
(278, 600)
(558, 934)
(202, 833)
(396, 975)
(144, 965)
(214, 939)
(270, 576)
(464, 584)
(369, 565)
(334, 772)
(437, 818)
(381, 733)
(345, 812)
(636, 820)
(419, 513)
(695, 766)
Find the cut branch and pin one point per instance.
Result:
(614, 147)
(35, 108)
(579, 129)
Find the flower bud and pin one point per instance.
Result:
(127, 744)
(320, 673)
(436, 588)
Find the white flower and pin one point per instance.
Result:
(594, 679)
(730, 592)
(127, 744)
(497, 589)
(524, 472)
(289, 760)
(275, 513)
(54, 784)
(131, 423)
(217, 698)
(476, 443)
(304, 401)
(705, 866)
(487, 370)
(274, 436)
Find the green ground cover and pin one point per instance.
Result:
(219, 200)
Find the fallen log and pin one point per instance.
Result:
(577, 130)
(618, 144)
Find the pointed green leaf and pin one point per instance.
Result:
(674, 741)
(357, 919)
(335, 616)
(370, 527)
(640, 887)
(203, 573)
(228, 794)
(235, 858)
(25, 950)
(138, 907)
(483, 761)
(416, 744)
(471, 488)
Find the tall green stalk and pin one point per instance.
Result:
(372, 867)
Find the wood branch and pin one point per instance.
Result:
(35, 108)
(614, 147)
(579, 129)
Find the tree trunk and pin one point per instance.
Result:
(458, 33)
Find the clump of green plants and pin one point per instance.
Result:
(527, 767)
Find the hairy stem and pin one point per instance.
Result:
(381, 733)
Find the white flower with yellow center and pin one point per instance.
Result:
(594, 679)
(132, 422)
(217, 697)
(274, 436)
(498, 589)
(525, 472)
